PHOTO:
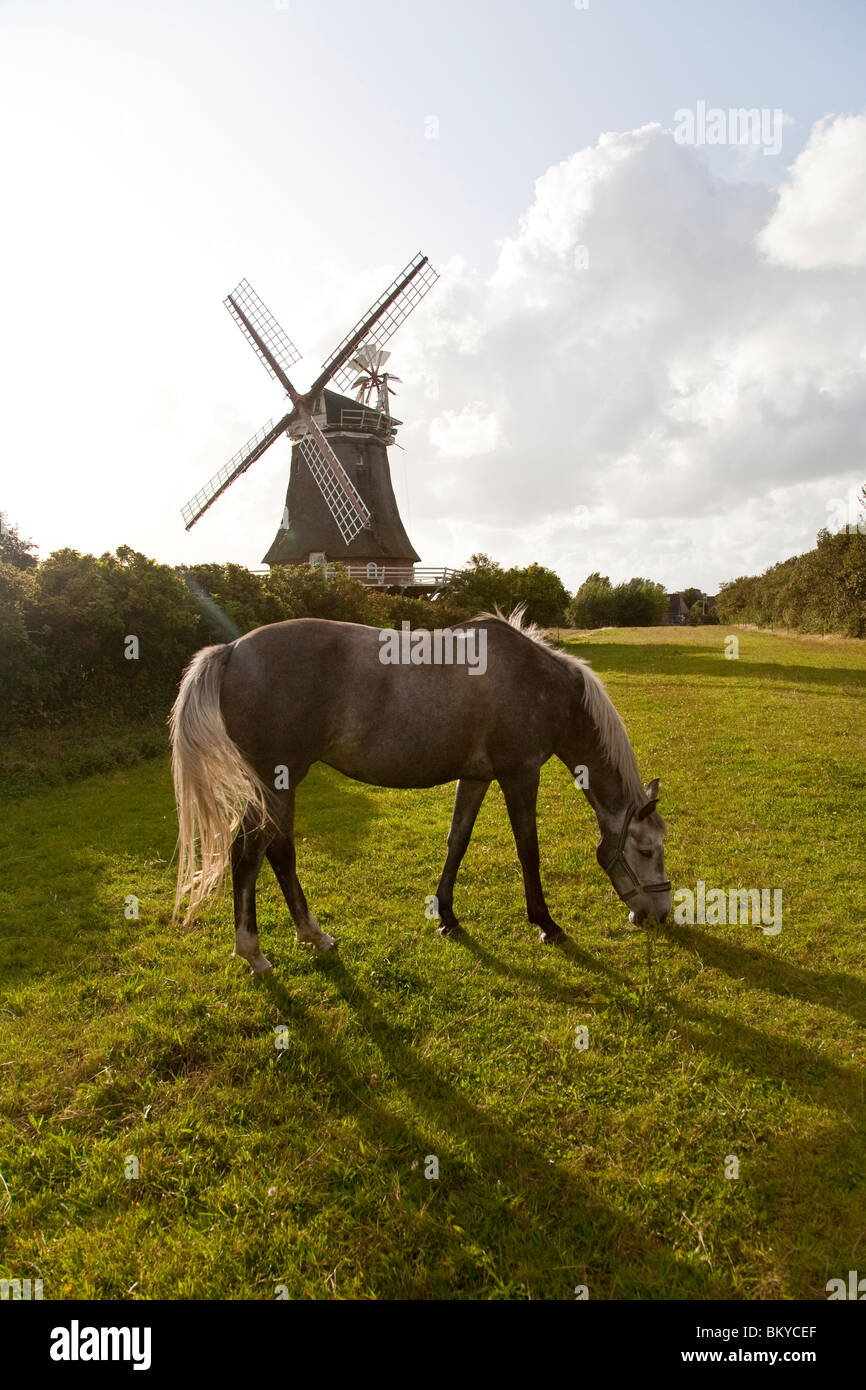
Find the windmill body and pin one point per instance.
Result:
(340, 504)
(309, 533)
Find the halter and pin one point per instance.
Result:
(619, 858)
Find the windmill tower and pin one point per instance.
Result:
(340, 504)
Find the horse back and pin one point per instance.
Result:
(310, 690)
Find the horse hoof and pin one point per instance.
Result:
(449, 929)
(325, 943)
(551, 936)
(260, 965)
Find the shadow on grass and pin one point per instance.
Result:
(72, 916)
(671, 660)
(800, 1066)
(539, 977)
(766, 971)
(573, 1235)
(795, 1163)
(335, 813)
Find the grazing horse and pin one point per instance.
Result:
(252, 716)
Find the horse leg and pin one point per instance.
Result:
(248, 851)
(283, 860)
(521, 795)
(467, 802)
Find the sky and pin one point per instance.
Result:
(645, 354)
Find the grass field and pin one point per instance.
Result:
(304, 1166)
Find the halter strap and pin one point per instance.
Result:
(620, 859)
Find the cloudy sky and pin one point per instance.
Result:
(647, 349)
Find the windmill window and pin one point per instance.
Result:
(317, 557)
(360, 460)
(372, 572)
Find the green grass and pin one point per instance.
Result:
(35, 759)
(557, 1167)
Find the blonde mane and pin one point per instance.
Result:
(612, 734)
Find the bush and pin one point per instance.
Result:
(821, 591)
(483, 585)
(597, 603)
(23, 676)
(302, 591)
(64, 627)
(697, 616)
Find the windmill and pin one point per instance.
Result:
(340, 503)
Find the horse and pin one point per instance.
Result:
(252, 716)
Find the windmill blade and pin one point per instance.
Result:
(368, 358)
(238, 464)
(345, 503)
(390, 310)
(248, 311)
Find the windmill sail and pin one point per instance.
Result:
(391, 309)
(237, 464)
(271, 344)
(344, 501)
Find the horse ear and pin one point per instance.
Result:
(652, 797)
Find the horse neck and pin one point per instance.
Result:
(605, 790)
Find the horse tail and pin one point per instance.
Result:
(214, 785)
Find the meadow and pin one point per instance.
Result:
(305, 1170)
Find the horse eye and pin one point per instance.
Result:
(645, 853)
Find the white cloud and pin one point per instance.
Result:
(467, 433)
(700, 399)
(821, 216)
(696, 381)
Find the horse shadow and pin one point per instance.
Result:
(771, 1163)
(769, 972)
(728, 1038)
(336, 813)
(562, 1215)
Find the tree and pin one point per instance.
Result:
(593, 604)
(541, 590)
(639, 603)
(22, 663)
(14, 550)
(481, 586)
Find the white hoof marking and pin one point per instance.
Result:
(248, 949)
